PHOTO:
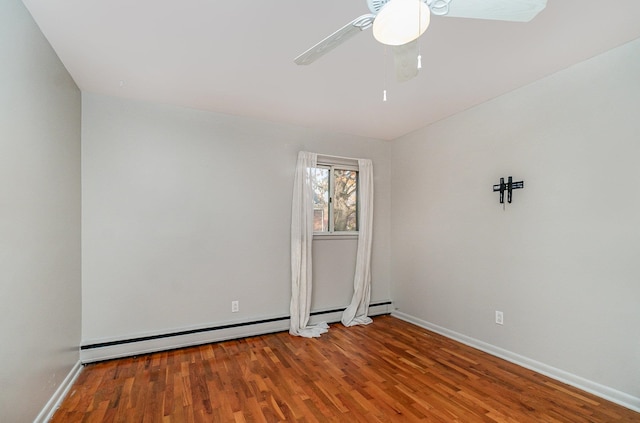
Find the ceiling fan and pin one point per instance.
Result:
(399, 23)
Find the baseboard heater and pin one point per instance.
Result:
(107, 350)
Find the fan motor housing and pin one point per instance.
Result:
(438, 7)
(376, 5)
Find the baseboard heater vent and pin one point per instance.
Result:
(144, 344)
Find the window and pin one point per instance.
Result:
(335, 199)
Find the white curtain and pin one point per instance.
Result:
(301, 241)
(356, 312)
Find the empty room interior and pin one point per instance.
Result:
(149, 154)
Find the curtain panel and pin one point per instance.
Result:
(301, 244)
(356, 312)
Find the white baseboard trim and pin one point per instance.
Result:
(101, 350)
(54, 402)
(602, 391)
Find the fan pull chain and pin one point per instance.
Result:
(419, 28)
(384, 82)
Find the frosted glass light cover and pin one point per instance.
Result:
(401, 21)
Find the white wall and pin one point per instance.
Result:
(185, 211)
(39, 218)
(563, 260)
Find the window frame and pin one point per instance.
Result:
(331, 233)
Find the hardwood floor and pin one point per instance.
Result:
(390, 371)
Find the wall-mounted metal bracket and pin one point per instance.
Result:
(509, 187)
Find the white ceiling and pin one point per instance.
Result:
(236, 57)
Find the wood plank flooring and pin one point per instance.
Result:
(390, 371)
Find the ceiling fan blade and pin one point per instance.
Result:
(334, 40)
(502, 10)
(405, 58)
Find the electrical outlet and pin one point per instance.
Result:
(499, 318)
(235, 306)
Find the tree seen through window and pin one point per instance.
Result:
(335, 199)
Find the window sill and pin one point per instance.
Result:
(334, 236)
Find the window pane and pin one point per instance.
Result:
(345, 206)
(320, 199)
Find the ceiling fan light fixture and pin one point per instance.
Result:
(401, 21)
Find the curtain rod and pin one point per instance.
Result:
(337, 157)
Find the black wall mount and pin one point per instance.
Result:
(509, 186)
